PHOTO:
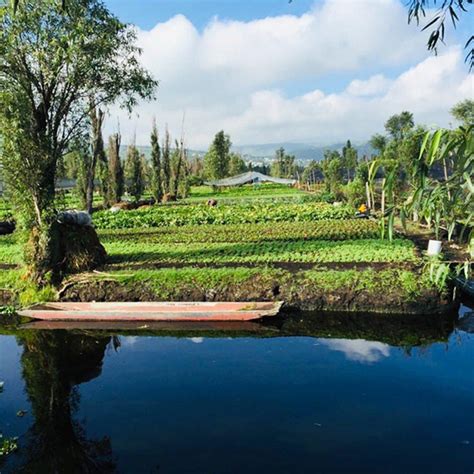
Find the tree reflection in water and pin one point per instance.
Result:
(54, 364)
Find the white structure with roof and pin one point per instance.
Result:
(251, 177)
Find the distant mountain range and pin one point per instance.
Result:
(266, 152)
(302, 151)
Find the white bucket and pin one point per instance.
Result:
(434, 247)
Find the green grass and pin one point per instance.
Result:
(381, 281)
(368, 251)
(248, 191)
(10, 250)
(170, 278)
(26, 293)
(10, 279)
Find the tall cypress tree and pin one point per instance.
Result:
(177, 166)
(157, 186)
(166, 155)
(97, 153)
(116, 181)
(134, 173)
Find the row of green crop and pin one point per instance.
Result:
(249, 190)
(348, 229)
(369, 251)
(159, 216)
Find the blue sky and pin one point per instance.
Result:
(146, 13)
(269, 70)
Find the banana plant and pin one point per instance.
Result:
(441, 203)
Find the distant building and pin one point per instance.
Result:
(251, 177)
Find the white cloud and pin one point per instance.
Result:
(375, 85)
(359, 350)
(233, 76)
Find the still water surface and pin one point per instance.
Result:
(311, 396)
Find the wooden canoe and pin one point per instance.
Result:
(193, 327)
(160, 311)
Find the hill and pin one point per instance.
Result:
(265, 152)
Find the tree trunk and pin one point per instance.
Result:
(178, 171)
(97, 120)
(42, 253)
(445, 170)
(90, 186)
(383, 197)
(367, 191)
(41, 250)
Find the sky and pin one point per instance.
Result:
(269, 71)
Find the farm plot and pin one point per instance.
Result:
(251, 213)
(350, 229)
(261, 191)
(367, 251)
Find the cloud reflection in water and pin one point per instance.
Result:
(358, 350)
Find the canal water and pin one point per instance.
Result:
(310, 394)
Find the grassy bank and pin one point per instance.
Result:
(384, 291)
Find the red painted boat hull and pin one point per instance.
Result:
(160, 311)
(132, 326)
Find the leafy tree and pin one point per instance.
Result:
(56, 66)
(196, 169)
(398, 125)
(378, 142)
(362, 172)
(349, 155)
(156, 184)
(355, 192)
(135, 178)
(70, 165)
(409, 148)
(313, 173)
(332, 167)
(283, 165)
(464, 112)
(236, 164)
(216, 160)
(116, 177)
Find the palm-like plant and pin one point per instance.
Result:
(441, 203)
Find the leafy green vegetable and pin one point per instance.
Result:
(250, 213)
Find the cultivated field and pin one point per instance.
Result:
(266, 242)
